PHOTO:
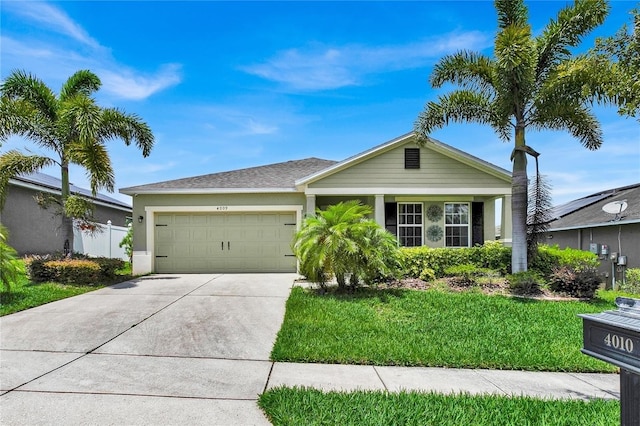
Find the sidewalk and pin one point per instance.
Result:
(329, 377)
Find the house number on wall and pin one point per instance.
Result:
(222, 208)
(623, 344)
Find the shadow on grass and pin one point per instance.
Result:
(349, 294)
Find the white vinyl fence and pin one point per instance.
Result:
(101, 244)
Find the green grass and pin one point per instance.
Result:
(437, 328)
(24, 294)
(287, 406)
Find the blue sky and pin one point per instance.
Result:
(227, 85)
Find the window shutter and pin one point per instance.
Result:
(412, 158)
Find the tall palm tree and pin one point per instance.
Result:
(70, 125)
(527, 84)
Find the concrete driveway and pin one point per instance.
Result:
(163, 349)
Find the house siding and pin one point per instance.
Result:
(629, 235)
(186, 200)
(33, 229)
(387, 170)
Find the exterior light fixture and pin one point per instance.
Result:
(140, 219)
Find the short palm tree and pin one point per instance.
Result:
(529, 83)
(340, 241)
(70, 125)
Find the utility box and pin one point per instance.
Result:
(614, 337)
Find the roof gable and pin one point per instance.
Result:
(409, 139)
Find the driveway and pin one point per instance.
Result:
(162, 349)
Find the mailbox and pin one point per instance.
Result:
(614, 337)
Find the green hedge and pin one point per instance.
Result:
(77, 269)
(492, 255)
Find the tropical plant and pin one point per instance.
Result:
(341, 242)
(618, 57)
(74, 128)
(527, 84)
(127, 243)
(10, 267)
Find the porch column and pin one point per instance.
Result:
(379, 210)
(490, 220)
(506, 228)
(311, 205)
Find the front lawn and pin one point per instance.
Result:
(437, 328)
(25, 294)
(286, 406)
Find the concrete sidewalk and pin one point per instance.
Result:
(583, 386)
(194, 349)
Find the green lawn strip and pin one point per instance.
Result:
(303, 406)
(24, 294)
(437, 328)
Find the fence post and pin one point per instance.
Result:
(109, 226)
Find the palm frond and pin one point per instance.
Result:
(92, 155)
(128, 127)
(460, 106)
(19, 117)
(82, 82)
(511, 12)
(14, 163)
(21, 85)
(572, 117)
(470, 70)
(567, 30)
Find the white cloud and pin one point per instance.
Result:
(53, 18)
(55, 61)
(129, 85)
(320, 67)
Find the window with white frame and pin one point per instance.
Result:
(410, 224)
(456, 224)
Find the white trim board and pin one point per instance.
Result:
(409, 191)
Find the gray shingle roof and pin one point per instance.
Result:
(50, 182)
(272, 176)
(587, 211)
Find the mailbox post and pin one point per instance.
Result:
(614, 337)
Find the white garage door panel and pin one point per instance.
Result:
(224, 242)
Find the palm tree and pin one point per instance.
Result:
(73, 127)
(527, 84)
(342, 242)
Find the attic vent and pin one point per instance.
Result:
(412, 158)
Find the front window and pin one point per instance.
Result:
(410, 224)
(456, 224)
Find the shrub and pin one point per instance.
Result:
(464, 274)
(492, 255)
(581, 283)
(550, 258)
(525, 283)
(73, 271)
(39, 270)
(127, 243)
(631, 281)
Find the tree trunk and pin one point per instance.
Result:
(519, 205)
(67, 222)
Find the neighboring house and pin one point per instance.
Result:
(583, 224)
(34, 230)
(245, 220)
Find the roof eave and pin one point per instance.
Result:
(193, 191)
(594, 225)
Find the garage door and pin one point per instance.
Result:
(224, 242)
